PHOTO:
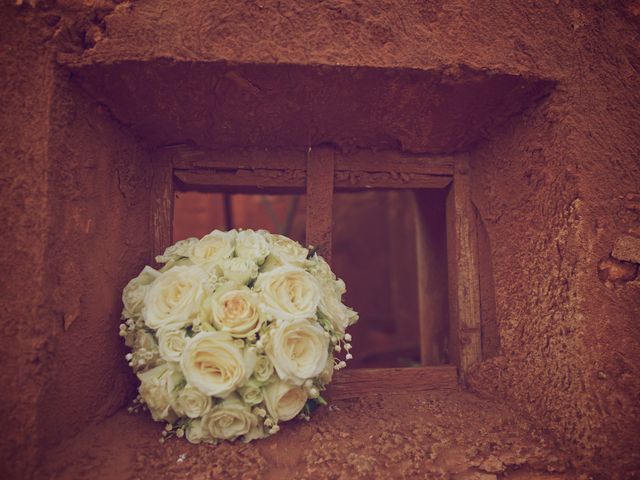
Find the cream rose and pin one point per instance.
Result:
(284, 401)
(213, 248)
(298, 350)
(240, 270)
(156, 389)
(263, 369)
(251, 393)
(253, 246)
(235, 310)
(327, 374)
(214, 364)
(175, 252)
(331, 306)
(171, 344)
(191, 402)
(288, 293)
(285, 251)
(175, 298)
(196, 433)
(229, 419)
(135, 291)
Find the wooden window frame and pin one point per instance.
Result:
(321, 171)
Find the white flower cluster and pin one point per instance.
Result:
(236, 333)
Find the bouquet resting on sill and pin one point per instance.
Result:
(237, 332)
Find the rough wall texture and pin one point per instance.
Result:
(547, 187)
(98, 215)
(75, 227)
(25, 88)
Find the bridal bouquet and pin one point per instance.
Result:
(234, 334)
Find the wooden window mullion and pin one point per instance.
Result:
(320, 177)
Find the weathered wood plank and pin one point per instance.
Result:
(360, 161)
(162, 205)
(255, 179)
(356, 180)
(188, 158)
(464, 289)
(320, 175)
(294, 179)
(431, 246)
(362, 382)
(393, 161)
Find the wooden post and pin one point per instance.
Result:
(320, 173)
(162, 204)
(465, 345)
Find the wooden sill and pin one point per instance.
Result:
(361, 382)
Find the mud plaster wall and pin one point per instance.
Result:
(75, 218)
(25, 83)
(569, 344)
(549, 189)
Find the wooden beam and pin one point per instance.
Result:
(256, 179)
(360, 161)
(189, 158)
(273, 168)
(320, 175)
(394, 161)
(363, 382)
(358, 180)
(162, 205)
(462, 256)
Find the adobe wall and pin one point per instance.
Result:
(75, 228)
(547, 187)
(25, 89)
(550, 190)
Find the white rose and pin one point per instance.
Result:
(256, 432)
(171, 344)
(175, 298)
(252, 245)
(284, 401)
(331, 306)
(263, 369)
(191, 402)
(214, 364)
(319, 268)
(156, 389)
(135, 291)
(288, 293)
(229, 419)
(251, 393)
(240, 270)
(235, 310)
(196, 433)
(298, 350)
(213, 248)
(285, 251)
(178, 250)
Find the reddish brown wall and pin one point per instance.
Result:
(25, 88)
(75, 226)
(548, 188)
(98, 239)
